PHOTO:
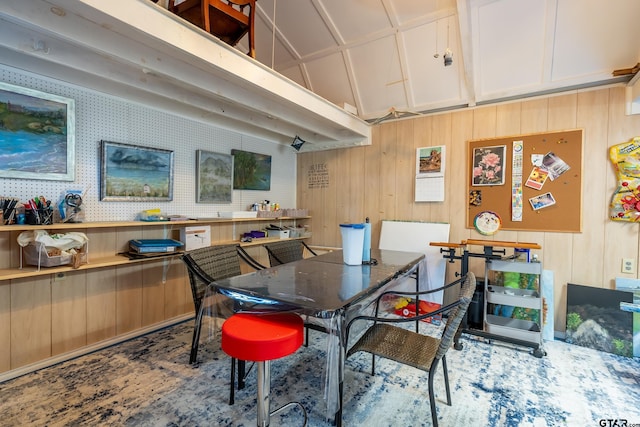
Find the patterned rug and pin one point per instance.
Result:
(148, 382)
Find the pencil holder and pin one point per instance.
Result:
(39, 216)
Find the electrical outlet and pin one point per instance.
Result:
(628, 265)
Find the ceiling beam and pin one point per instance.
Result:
(150, 53)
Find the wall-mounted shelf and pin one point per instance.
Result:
(108, 224)
(115, 259)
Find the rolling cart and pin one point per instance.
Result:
(509, 286)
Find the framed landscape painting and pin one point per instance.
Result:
(37, 134)
(251, 171)
(214, 172)
(134, 173)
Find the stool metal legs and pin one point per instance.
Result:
(264, 389)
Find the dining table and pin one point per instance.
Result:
(327, 292)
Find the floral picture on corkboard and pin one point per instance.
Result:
(488, 165)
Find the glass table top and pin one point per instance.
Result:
(320, 285)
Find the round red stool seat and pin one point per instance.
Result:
(262, 337)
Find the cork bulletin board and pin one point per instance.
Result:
(532, 182)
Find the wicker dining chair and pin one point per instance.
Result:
(206, 265)
(411, 348)
(286, 251)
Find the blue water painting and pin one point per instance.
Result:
(137, 172)
(24, 151)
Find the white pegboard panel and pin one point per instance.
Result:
(102, 117)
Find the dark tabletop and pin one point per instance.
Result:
(319, 286)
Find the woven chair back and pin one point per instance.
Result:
(216, 262)
(467, 289)
(284, 252)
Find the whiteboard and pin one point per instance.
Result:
(410, 236)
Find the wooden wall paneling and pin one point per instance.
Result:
(561, 114)
(312, 196)
(153, 290)
(14, 248)
(372, 182)
(304, 194)
(484, 126)
(68, 311)
(344, 185)
(177, 297)
(592, 115)
(123, 235)
(101, 304)
(422, 128)
(357, 184)
(622, 238)
(558, 258)
(484, 122)
(539, 115)
(388, 149)
(30, 320)
(164, 231)
(128, 298)
(6, 252)
(441, 135)
(102, 242)
(405, 171)
(535, 115)
(5, 321)
(563, 110)
(457, 198)
(241, 228)
(329, 227)
(508, 118)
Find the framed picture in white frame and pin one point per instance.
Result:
(38, 129)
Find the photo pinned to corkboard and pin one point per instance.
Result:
(488, 165)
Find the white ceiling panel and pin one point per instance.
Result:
(357, 19)
(509, 48)
(300, 23)
(380, 83)
(407, 11)
(503, 28)
(264, 43)
(337, 89)
(424, 68)
(294, 73)
(594, 36)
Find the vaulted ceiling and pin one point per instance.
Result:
(386, 55)
(383, 57)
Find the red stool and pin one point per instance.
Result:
(262, 338)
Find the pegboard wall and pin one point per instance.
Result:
(103, 117)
